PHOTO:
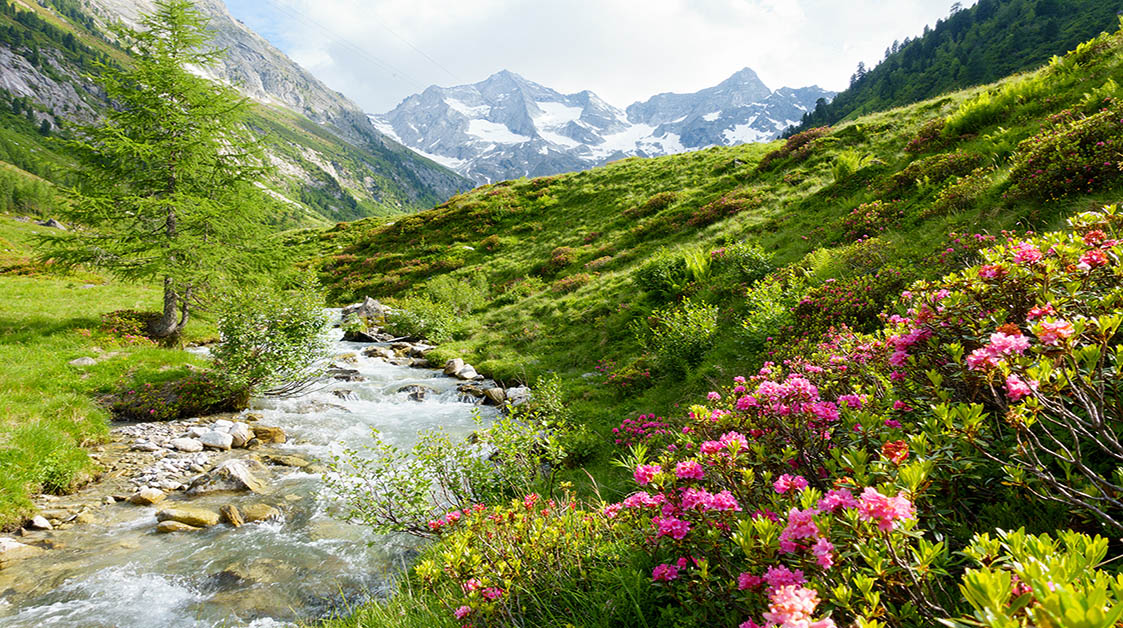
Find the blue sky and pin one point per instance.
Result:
(378, 52)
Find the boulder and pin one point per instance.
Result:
(495, 396)
(197, 431)
(217, 440)
(354, 335)
(174, 526)
(415, 392)
(52, 223)
(286, 460)
(378, 352)
(466, 373)
(345, 375)
(518, 395)
(370, 309)
(39, 522)
(259, 512)
(222, 425)
(189, 445)
(190, 515)
(12, 550)
(241, 434)
(453, 365)
(268, 434)
(231, 515)
(82, 362)
(231, 475)
(420, 363)
(147, 497)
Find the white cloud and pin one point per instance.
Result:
(380, 51)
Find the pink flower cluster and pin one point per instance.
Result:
(729, 442)
(885, 511)
(787, 482)
(793, 606)
(1001, 345)
(689, 470)
(645, 472)
(452, 517)
(703, 500)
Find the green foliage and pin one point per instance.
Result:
(869, 219)
(847, 163)
(980, 44)
(663, 276)
(1074, 154)
(174, 395)
(742, 262)
(422, 317)
(1036, 580)
(462, 294)
(394, 490)
(935, 169)
(678, 335)
(168, 179)
(271, 340)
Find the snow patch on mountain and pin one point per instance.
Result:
(506, 126)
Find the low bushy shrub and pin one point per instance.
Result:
(422, 317)
(742, 262)
(961, 193)
(271, 341)
(869, 219)
(462, 294)
(935, 169)
(929, 137)
(653, 205)
(799, 147)
(664, 276)
(174, 396)
(128, 326)
(1069, 157)
(570, 283)
(727, 205)
(678, 335)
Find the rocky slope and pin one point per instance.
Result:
(507, 127)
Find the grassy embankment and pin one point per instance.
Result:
(49, 409)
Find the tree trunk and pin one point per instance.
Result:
(166, 325)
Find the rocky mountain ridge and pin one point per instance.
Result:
(507, 126)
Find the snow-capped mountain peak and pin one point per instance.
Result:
(507, 126)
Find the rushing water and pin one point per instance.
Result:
(123, 573)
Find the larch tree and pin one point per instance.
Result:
(168, 189)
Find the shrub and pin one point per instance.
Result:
(935, 169)
(177, 395)
(128, 326)
(599, 262)
(462, 294)
(929, 137)
(490, 243)
(271, 341)
(679, 335)
(798, 147)
(871, 218)
(632, 377)
(769, 304)
(520, 289)
(653, 205)
(742, 262)
(421, 317)
(664, 276)
(1023, 579)
(961, 194)
(570, 283)
(560, 258)
(727, 205)
(1081, 156)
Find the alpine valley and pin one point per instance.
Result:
(506, 127)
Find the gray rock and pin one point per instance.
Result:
(39, 522)
(143, 445)
(231, 515)
(241, 434)
(52, 223)
(415, 392)
(231, 475)
(453, 366)
(217, 440)
(466, 373)
(189, 445)
(378, 352)
(197, 431)
(82, 362)
(518, 395)
(222, 425)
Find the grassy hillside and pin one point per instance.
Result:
(646, 283)
(980, 44)
(885, 190)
